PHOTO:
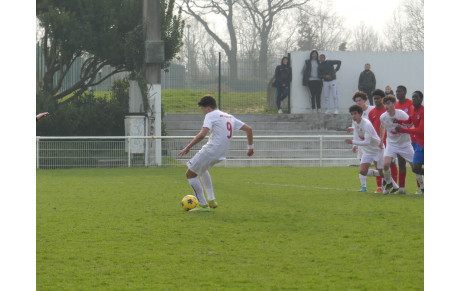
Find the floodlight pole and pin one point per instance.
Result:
(154, 57)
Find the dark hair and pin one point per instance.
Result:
(420, 94)
(317, 54)
(208, 101)
(389, 98)
(356, 108)
(361, 94)
(283, 60)
(378, 92)
(402, 87)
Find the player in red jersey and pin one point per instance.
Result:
(405, 105)
(374, 118)
(417, 134)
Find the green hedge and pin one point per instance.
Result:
(88, 115)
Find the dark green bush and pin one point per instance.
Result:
(87, 115)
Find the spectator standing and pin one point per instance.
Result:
(283, 78)
(327, 72)
(312, 80)
(367, 82)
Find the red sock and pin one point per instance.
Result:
(402, 179)
(394, 173)
(378, 179)
(418, 184)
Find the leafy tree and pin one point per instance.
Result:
(103, 32)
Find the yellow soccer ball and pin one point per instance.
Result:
(189, 202)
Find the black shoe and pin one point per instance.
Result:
(387, 188)
(394, 190)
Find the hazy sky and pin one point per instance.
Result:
(356, 11)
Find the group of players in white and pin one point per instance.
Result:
(381, 148)
(393, 140)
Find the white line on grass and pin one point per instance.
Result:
(301, 186)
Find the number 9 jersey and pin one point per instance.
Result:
(221, 126)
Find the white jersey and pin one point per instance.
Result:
(366, 112)
(394, 138)
(221, 126)
(365, 136)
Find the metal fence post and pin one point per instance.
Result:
(289, 95)
(38, 152)
(129, 152)
(320, 150)
(220, 81)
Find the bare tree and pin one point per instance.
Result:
(365, 38)
(415, 24)
(320, 27)
(263, 14)
(203, 11)
(395, 32)
(406, 27)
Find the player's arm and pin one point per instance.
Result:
(416, 130)
(382, 134)
(199, 137)
(41, 115)
(246, 128)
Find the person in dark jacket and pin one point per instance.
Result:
(367, 82)
(327, 70)
(312, 80)
(283, 78)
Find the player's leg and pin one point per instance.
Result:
(197, 165)
(405, 154)
(394, 170)
(390, 183)
(207, 183)
(402, 173)
(417, 167)
(378, 179)
(195, 183)
(363, 169)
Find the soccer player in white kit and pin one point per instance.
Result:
(397, 143)
(220, 125)
(365, 136)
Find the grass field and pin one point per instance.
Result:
(185, 101)
(275, 229)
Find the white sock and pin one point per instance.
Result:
(363, 180)
(420, 180)
(387, 176)
(373, 173)
(198, 189)
(207, 183)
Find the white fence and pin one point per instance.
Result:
(144, 151)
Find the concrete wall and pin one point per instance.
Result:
(390, 68)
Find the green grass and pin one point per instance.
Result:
(185, 101)
(275, 229)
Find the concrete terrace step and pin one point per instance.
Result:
(266, 124)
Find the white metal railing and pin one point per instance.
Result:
(153, 151)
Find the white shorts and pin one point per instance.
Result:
(406, 152)
(360, 153)
(202, 161)
(369, 159)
